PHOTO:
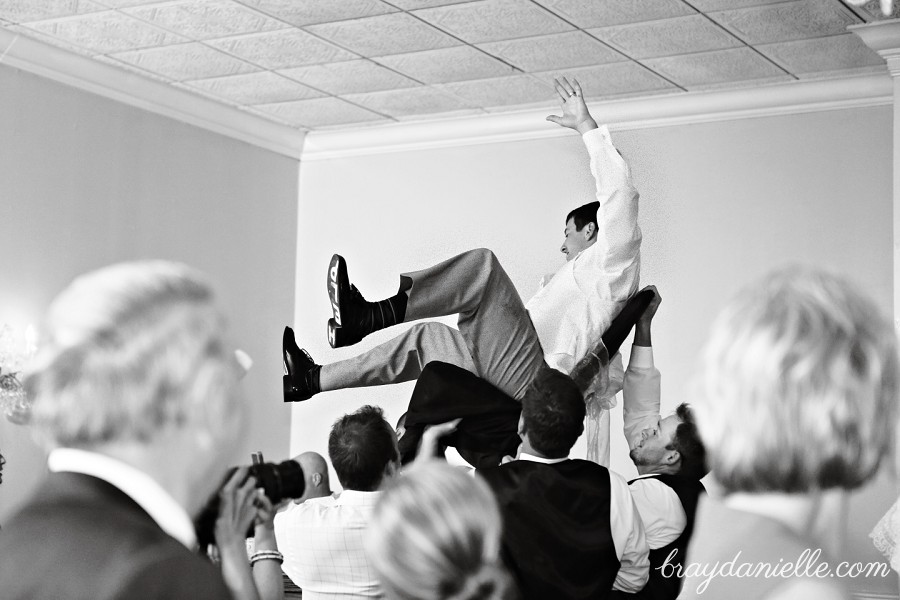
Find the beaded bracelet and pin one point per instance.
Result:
(267, 555)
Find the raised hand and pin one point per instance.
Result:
(575, 112)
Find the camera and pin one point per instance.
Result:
(279, 482)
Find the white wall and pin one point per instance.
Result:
(722, 203)
(86, 181)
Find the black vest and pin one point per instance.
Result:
(658, 586)
(557, 541)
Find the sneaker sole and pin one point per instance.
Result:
(337, 278)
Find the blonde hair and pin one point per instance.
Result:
(128, 350)
(798, 386)
(435, 535)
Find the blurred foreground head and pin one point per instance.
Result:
(133, 361)
(798, 386)
(435, 535)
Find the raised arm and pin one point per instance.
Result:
(641, 390)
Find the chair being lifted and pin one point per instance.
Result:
(488, 429)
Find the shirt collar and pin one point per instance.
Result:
(356, 497)
(541, 459)
(137, 485)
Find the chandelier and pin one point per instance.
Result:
(13, 357)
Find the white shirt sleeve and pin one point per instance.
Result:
(640, 394)
(615, 256)
(660, 509)
(628, 537)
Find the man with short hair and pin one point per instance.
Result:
(670, 460)
(499, 338)
(571, 529)
(322, 538)
(134, 392)
(315, 474)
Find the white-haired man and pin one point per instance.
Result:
(134, 395)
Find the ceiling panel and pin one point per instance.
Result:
(255, 88)
(459, 63)
(201, 19)
(602, 13)
(614, 79)
(711, 5)
(416, 4)
(185, 61)
(320, 112)
(503, 92)
(667, 37)
(786, 21)
(491, 20)
(411, 102)
(106, 32)
(354, 76)
(26, 11)
(822, 55)
(310, 12)
(556, 51)
(282, 49)
(386, 34)
(712, 68)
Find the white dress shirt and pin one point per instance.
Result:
(322, 543)
(627, 531)
(576, 306)
(137, 485)
(661, 510)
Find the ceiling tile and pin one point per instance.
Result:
(712, 68)
(416, 4)
(202, 19)
(613, 79)
(320, 112)
(255, 88)
(710, 5)
(597, 13)
(385, 34)
(786, 21)
(25, 31)
(282, 49)
(26, 11)
(123, 66)
(505, 91)
(409, 102)
(491, 20)
(128, 3)
(185, 61)
(106, 32)
(820, 55)
(349, 77)
(553, 52)
(310, 12)
(681, 35)
(447, 64)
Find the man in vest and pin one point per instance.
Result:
(670, 459)
(571, 528)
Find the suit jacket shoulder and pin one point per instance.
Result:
(80, 537)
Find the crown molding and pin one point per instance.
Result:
(873, 89)
(105, 80)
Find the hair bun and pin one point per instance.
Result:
(488, 583)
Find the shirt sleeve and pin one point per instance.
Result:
(661, 511)
(640, 394)
(628, 538)
(616, 253)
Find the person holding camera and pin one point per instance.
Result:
(134, 392)
(322, 538)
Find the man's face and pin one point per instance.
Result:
(576, 241)
(655, 443)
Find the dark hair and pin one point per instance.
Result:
(361, 445)
(687, 442)
(584, 214)
(553, 411)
